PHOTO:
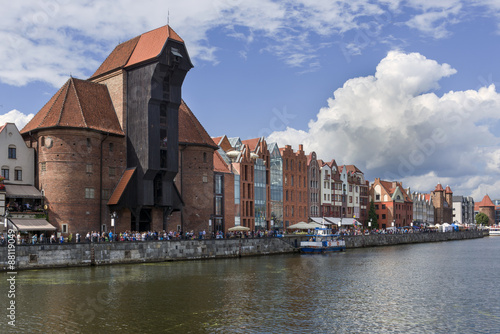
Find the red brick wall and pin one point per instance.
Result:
(66, 155)
(195, 182)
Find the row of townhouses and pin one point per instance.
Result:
(122, 150)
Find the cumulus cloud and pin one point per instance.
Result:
(17, 117)
(392, 125)
(67, 37)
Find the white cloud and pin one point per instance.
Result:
(17, 117)
(392, 125)
(49, 40)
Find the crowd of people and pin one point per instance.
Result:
(95, 236)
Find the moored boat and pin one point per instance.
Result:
(322, 241)
(494, 230)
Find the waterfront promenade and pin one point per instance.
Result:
(104, 253)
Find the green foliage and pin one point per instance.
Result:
(482, 219)
(372, 215)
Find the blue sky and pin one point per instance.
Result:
(404, 90)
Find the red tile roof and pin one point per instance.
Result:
(485, 202)
(252, 143)
(3, 127)
(190, 129)
(217, 139)
(137, 50)
(120, 187)
(439, 187)
(219, 164)
(353, 169)
(448, 190)
(78, 104)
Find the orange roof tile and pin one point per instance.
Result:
(78, 104)
(217, 139)
(448, 190)
(219, 164)
(137, 50)
(252, 143)
(121, 186)
(3, 127)
(190, 129)
(485, 202)
(439, 187)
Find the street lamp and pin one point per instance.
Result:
(6, 219)
(114, 215)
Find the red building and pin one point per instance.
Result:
(393, 205)
(295, 201)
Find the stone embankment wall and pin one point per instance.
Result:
(86, 254)
(410, 238)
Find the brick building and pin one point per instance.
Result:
(313, 186)
(487, 207)
(295, 203)
(393, 205)
(81, 154)
(195, 179)
(224, 207)
(115, 136)
(442, 199)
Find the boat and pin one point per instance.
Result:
(322, 241)
(494, 230)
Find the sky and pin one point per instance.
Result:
(404, 90)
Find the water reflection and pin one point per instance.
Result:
(440, 287)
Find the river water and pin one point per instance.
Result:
(445, 287)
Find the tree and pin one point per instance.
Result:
(372, 215)
(482, 219)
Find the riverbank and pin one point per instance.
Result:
(87, 254)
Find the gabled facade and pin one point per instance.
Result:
(295, 202)
(313, 186)
(463, 209)
(262, 186)
(393, 206)
(423, 209)
(17, 163)
(276, 170)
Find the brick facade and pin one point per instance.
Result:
(70, 170)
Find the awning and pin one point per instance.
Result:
(22, 191)
(320, 220)
(345, 221)
(23, 224)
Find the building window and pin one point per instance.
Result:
(383, 216)
(383, 206)
(377, 197)
(88, 142)
(5, 173)
(43, 166)
(104, 228)
(112, 171)
(218, 205)
(18, 175)
(218, 184)
(64, 228)
(89, 168)
(89, 192)
(106, 194)
(204, 156)
(12, 152)
(111, 147)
